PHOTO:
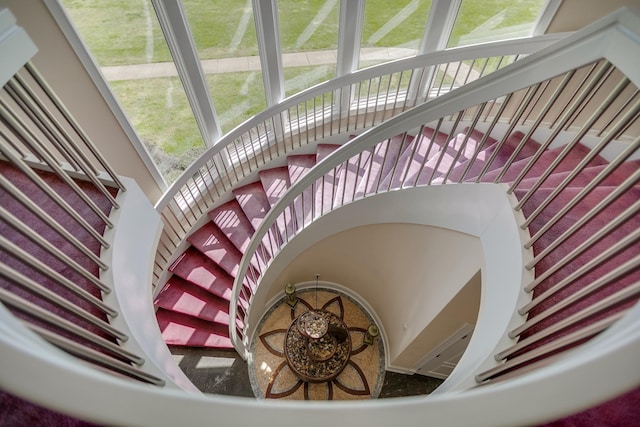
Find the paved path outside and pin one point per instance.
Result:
(250, 63)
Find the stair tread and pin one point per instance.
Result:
(381, 163)
(325, 187)
(501, 157)
(586, 176)
(275, 182)
(352, 176)
(568, 163)
(184, 330)
(299, 165)
(323, 150)
(446, 159)
(183, 297)
(196, 268)
(253, 201)
(581, 235)
(213, 243)
(234, 224)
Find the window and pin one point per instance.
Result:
(309, 42)
(126, 41)
(392, 30)
(480, 21)
(225, 38)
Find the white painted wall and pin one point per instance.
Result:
(408, 273)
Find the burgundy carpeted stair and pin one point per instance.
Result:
(211, 263)
(13, 410)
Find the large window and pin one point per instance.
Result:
(309, 42)
(225, 37)
(480, 21)
(125, 39)
(392, 30)
(127, 42)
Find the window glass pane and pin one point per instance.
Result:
(392, 29)
(309, 41)
(481, 21)
(126, 41)
(225, 36)
(238, 96)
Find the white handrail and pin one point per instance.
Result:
(600, 369)
(209, 179)
(586, 46)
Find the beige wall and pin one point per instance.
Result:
(408, 274)
(463, 308)
(64, 72)
(575, 14)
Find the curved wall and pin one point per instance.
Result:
(408, 273)
(471, 228)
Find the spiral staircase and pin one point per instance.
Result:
(554, 134)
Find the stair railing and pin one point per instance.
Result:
(61, 201)
(600, 371)
(347, 104)
(587, 85)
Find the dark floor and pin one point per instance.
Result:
(224, 372)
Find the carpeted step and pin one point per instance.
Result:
(198, 269)
(183, 330)
(381, 164)
(183, 297)
(299, 165)
(17, 209)
(253, 201)
(275, 183)
(255, 205)
(409, 160)
(440, 162)
(351, 176)
(325, 187)
(585, 232)
(212, 242)
(232, 221)
(504, 152)
(586, 176)
(566, 164)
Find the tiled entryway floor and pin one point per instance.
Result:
(224, 371)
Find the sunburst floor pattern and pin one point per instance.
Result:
(272, 378)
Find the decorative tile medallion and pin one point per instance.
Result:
(361, 371)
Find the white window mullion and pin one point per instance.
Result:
(175, 27)
(546, 16)
(349, 36)
(442, 17)
(265, 13)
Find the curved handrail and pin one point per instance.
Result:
(599, 371)
(589, 45)
(273, 131)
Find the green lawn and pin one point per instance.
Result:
(121, 32)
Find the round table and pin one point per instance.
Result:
(317, 346)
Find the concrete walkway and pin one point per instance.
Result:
(250, 63)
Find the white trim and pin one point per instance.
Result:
(545, 17)
(178, 36)
(84, 55)
(130, 258)
(265, 14)
(442, 17)
(16, 48)
(349, 36)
